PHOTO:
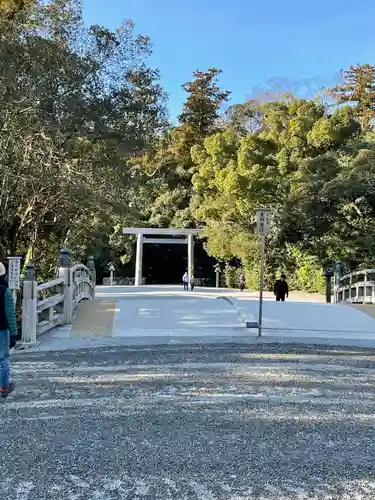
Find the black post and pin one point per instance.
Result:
(328, 273)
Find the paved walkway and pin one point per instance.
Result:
(208, 422)
(168, 315)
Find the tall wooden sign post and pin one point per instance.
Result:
(263, 221)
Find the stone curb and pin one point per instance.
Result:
(242, 313)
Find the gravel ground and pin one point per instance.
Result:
(224, 422)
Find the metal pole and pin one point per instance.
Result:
(261, 285)
(111, 277)
(217, 279)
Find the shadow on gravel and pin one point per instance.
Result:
(217, 422)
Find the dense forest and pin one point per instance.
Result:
(86, 147)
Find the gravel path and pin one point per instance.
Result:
(225, 422)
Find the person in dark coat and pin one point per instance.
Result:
(241, 282)
(8, 326)
(192, 283)
(280, 289)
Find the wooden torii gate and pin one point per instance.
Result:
(185, 236)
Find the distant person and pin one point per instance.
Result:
(185, 280)
(8, 326)
(281, 289)
(192, 283)
(241, 282)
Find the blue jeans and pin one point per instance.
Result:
(4, 359)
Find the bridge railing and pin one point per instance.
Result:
(357, 287)
(54, 303)
(82, 284)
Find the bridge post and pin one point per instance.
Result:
(29, 307)
(64, 273)
(92, 268)
(190, 256)
(138, 260)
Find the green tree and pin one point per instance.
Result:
(200, 111)
(10, 9)
(169, 165)
(76, 106)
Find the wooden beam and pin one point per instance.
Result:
(168, 231)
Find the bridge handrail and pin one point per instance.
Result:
(83, 287)
(356, 273)
(50, 284)
(54, 303)
(357, 292)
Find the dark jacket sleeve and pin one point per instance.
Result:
(10, 312)
(275, 288)
(286, 289)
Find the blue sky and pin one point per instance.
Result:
(252, 41)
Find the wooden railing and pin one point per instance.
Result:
(50, 310)
(54, 303)
(357, 287)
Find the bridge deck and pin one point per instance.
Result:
(164, 315)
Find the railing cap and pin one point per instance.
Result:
(30, 271)
(64, 257)
(91, 262)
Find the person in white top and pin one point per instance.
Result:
(185, 280)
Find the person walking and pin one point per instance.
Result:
(281, 289)
(241, 282)
(8, 327)
(192, 283)
(185, 280)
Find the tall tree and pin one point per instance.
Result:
(76, 106)
(170, 163)
(201, 108)
(358, 89)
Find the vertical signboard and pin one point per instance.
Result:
(14, 273)
(263, 221)
(263, 217)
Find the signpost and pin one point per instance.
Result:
(263, 224)
(14, 273)
(217, 271)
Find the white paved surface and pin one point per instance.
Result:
(168, 315)
(334, 320)
(144, 313)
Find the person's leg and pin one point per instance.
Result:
(4, 361)
(277, 298)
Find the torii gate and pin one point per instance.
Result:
(170, 231)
